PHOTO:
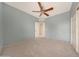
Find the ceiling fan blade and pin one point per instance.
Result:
(40, 5)
(48, 9)
(46, 14)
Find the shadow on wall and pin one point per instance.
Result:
(17, 24)
(1, 34)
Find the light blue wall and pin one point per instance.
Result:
(1, 37)
(58, 27)
(18, 25)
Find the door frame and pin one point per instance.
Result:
(75, 31)
(39, 32)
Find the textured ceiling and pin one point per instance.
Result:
(28, 7)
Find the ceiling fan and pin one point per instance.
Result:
(42, 10)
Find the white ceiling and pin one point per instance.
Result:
(28, 7)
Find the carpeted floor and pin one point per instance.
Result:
(40, 48)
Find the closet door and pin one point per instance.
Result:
(77, 31)
(73, 31)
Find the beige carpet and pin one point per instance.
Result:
(40, 48)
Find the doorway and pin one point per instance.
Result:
(39, 29)
(75, 31)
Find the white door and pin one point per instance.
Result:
(39, 29)
(77, 31)
(73, 31)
